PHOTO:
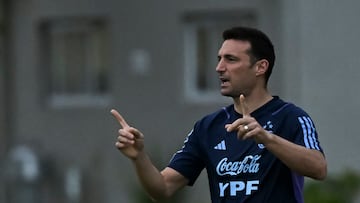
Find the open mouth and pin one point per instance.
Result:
(223, 80)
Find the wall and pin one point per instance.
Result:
(322, 51)
(315, 69)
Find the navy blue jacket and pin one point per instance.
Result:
(243, 171)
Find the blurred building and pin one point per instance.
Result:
(65, 64)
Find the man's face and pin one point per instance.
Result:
(235, 69)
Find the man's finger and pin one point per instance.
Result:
(137, 134)
(119, 118)
(244, 108)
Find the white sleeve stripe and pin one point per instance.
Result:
(304, 132)
(309, 133)
(185, 141)
(312, 136)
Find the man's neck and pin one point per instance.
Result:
(253, 101)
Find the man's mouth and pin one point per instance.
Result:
(223, 80)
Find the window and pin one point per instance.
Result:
(203, 38)
(76, 68)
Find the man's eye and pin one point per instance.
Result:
(231, 59)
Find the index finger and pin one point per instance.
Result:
(119, 118)
(244, 107)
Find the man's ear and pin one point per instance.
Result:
(261, 67)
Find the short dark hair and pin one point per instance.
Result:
(261, 45)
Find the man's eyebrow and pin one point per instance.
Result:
(226, 55)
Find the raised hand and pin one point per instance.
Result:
(246, 127)
(130, 141)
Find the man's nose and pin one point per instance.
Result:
(220, 66)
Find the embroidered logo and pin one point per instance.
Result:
(261, 146)
(268, 126)
(221, 145)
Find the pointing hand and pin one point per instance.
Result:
(130, 141)
(246, 127)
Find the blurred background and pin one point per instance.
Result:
(65, 64)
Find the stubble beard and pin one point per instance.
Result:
(232, 94)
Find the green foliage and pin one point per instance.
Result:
(342, 188)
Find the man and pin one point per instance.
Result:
(256, 150)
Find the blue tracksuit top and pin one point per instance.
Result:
(243, 171)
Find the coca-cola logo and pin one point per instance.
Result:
(248, 165)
